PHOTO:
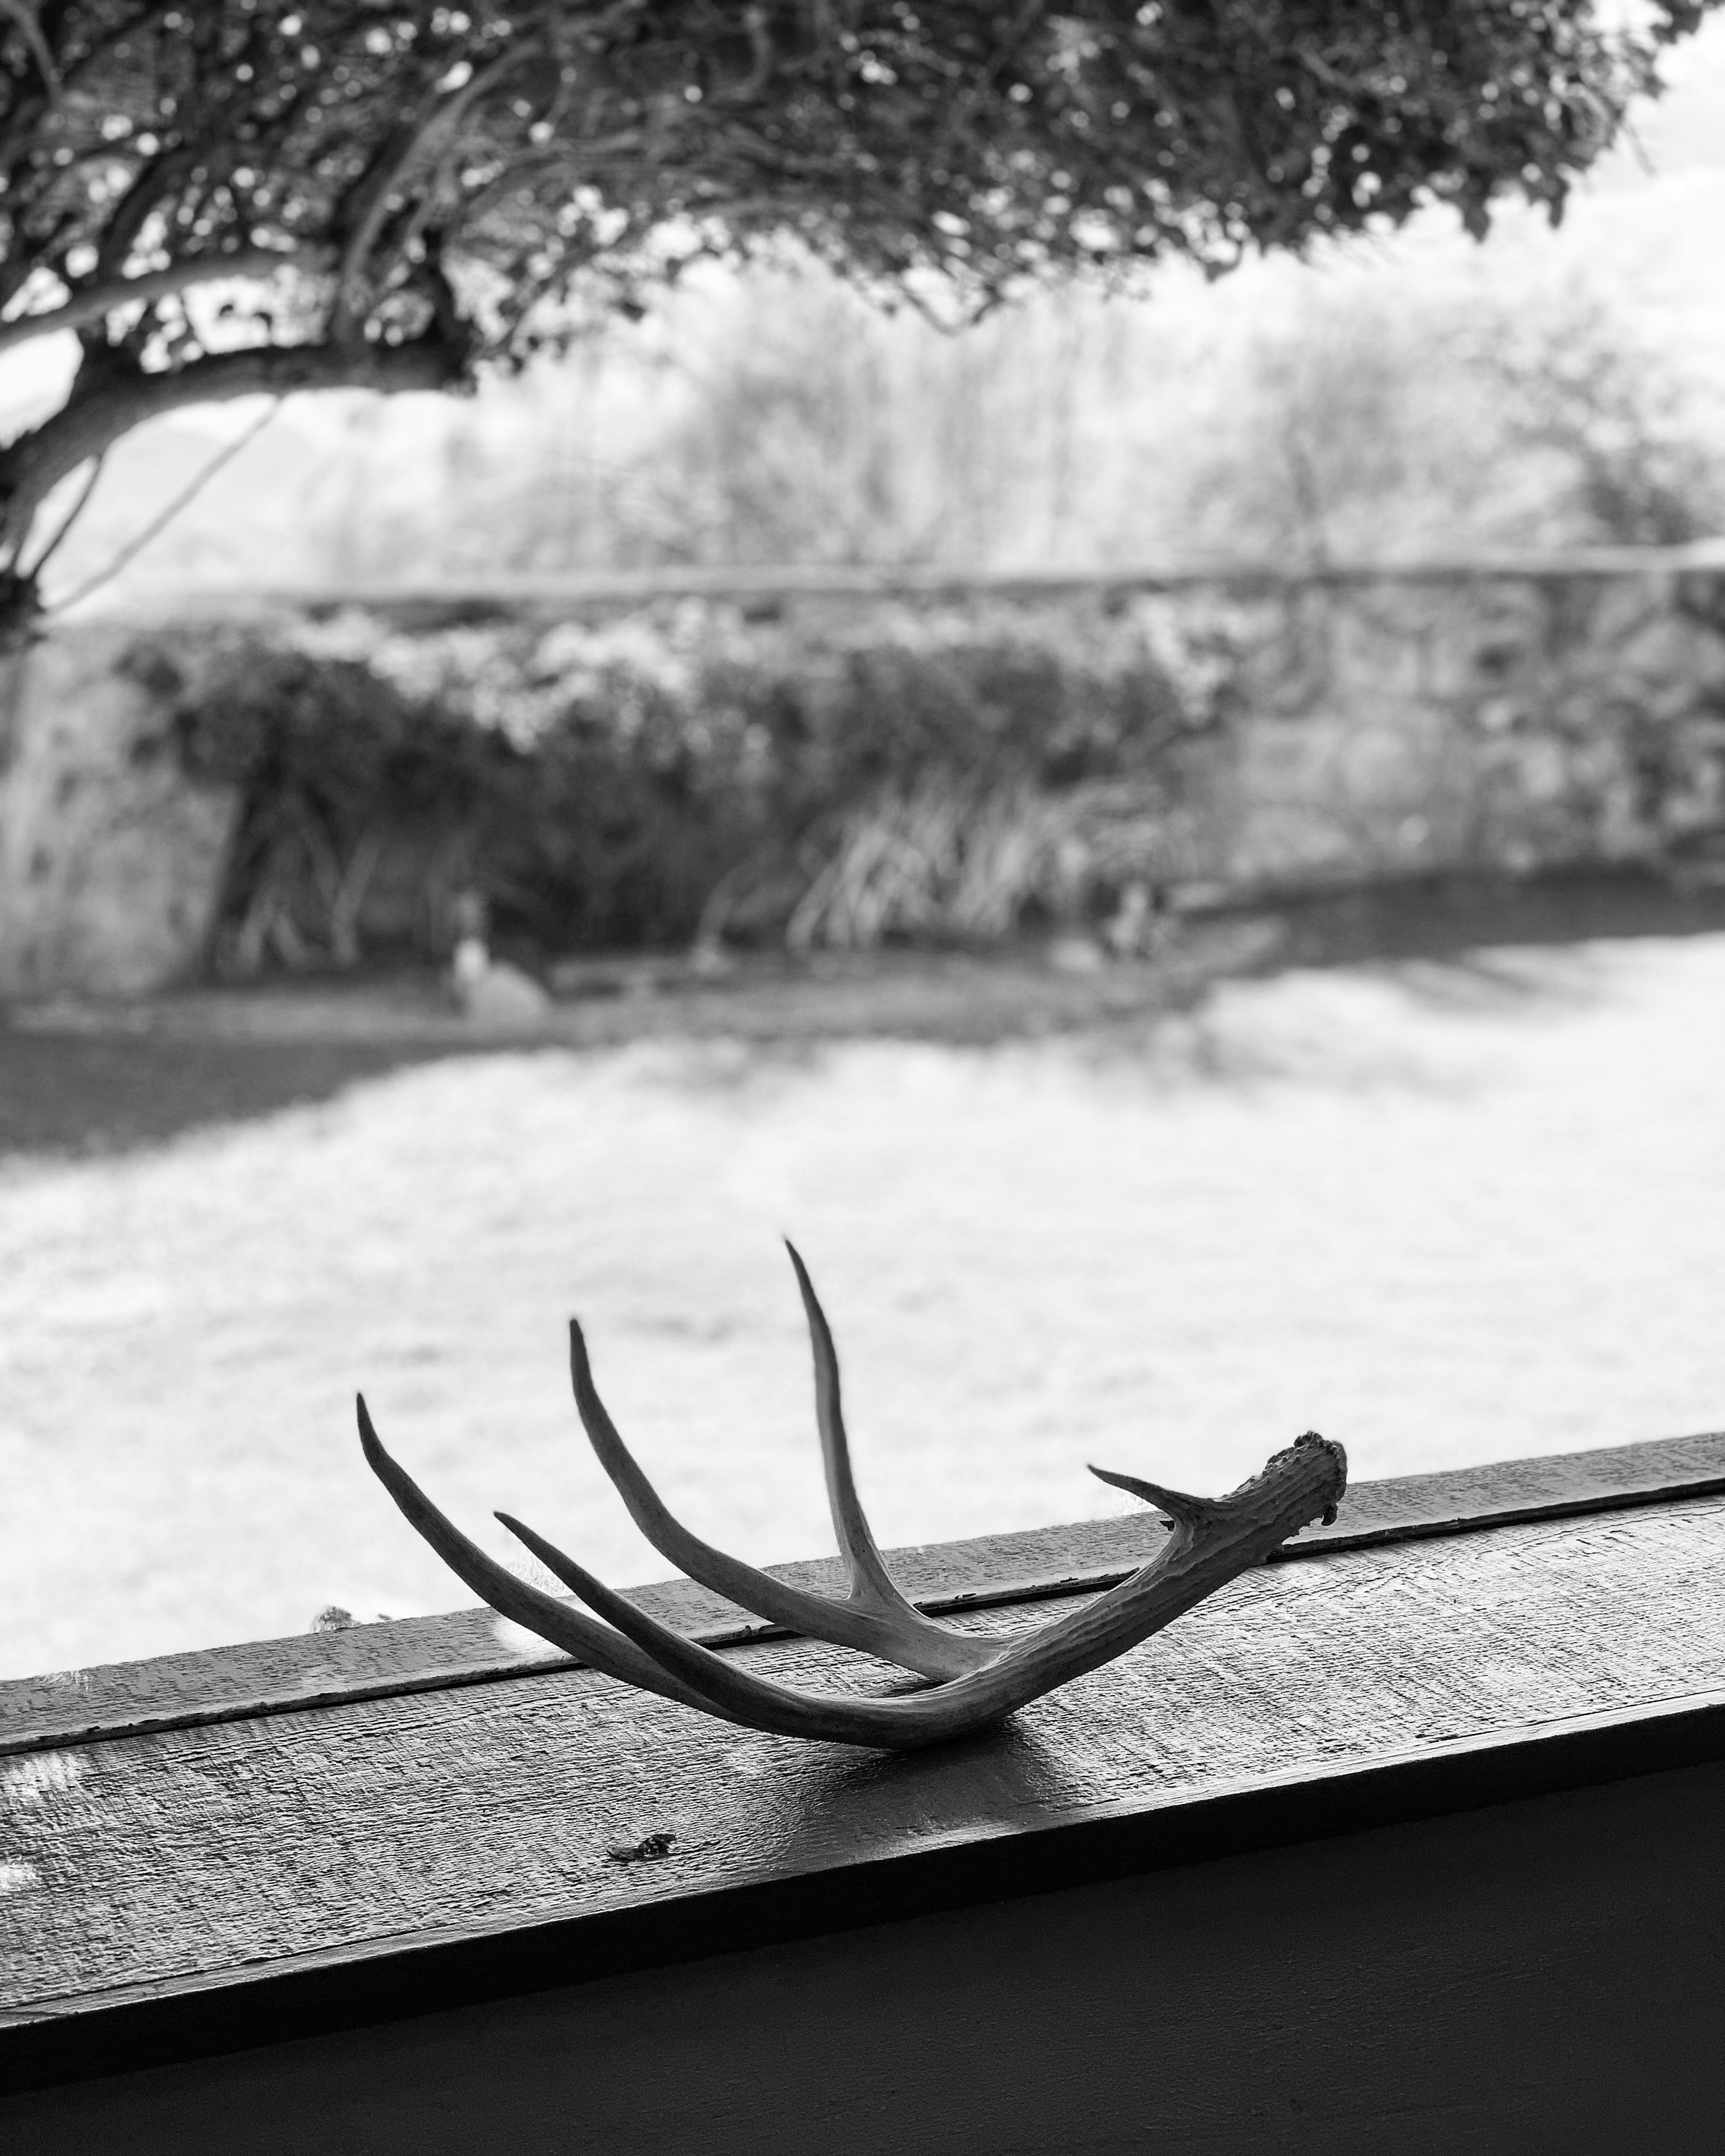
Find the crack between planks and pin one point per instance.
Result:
(1338, 1540)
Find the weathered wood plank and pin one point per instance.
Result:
(1462, 1499)
(463, 1647)
(1541, 1976)
(212, 1855)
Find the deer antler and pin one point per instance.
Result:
(980, 1677)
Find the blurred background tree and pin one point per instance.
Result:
(1373, 413)
(1626, 430)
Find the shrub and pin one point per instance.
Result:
(337, 770)
(676, 772)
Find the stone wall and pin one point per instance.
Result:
(1515, 715)
(110, 862)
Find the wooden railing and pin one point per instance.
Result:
(1408, 1842)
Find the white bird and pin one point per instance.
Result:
(493, 994)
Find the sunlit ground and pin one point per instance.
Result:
(1443, 1213)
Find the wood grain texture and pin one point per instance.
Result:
(1540, 1979)
(434, 1653)
(1419, 1990)
(212, 1855)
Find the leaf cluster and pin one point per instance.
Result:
(467, 171)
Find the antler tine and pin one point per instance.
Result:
(1296, 1486)
(1182, 1509)
(896, 1634)
(870, 1582)
(574, 1632)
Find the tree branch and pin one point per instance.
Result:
(114, 403)
(368, 204)
(88, 303)
(150, 185)
(34, 573)
(23, 15)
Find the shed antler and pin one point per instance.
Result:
(979, 1678)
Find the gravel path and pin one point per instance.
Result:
(1444, 1212)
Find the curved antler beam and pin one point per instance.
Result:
(1236, 1532)
(982, 1678)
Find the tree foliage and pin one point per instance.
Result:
(232, 197)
